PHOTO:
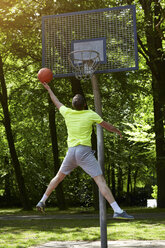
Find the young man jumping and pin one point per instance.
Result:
(79, 127)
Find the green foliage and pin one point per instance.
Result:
(126, 100)
(155, 191)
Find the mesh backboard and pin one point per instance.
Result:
(110, 31)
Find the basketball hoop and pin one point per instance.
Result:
(84, 63)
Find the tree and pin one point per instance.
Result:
(37, 127)
(151, 47)
(7, 123)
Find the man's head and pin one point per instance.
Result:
(78, 102)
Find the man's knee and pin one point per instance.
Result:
(59, 177)
(100, 180)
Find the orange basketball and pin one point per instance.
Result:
(45, 75)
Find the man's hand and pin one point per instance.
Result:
(46, 86)
(119, 133)
(110, 128)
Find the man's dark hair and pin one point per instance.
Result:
(78, 102)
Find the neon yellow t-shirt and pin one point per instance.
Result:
(79, 125)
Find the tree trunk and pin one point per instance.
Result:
(108, 173)
(154, 54)
(135, 179)
(7, 123)
(76, 87)
(128, 184)
(119, 183)
(52, 125)
(113, 179)
(7, 193)
(160, 148)
(157, 66)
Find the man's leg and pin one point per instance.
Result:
(106, 192)
(104, 189)
(68, 164)
(52, 185)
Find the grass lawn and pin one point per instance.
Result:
(31, 232)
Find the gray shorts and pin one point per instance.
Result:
(82, 156)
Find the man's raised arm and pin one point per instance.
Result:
(55, 100)
(110, 128)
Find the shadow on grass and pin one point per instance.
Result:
(33, 232)
(29, 231)
(76, 224)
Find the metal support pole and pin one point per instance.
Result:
(100, 151)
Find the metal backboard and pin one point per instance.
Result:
(98, 45)
(110, 31)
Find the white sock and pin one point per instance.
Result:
(116, 207)
(44, 198)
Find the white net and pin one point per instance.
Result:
(84, 63)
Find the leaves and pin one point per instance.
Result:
(126, 100)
